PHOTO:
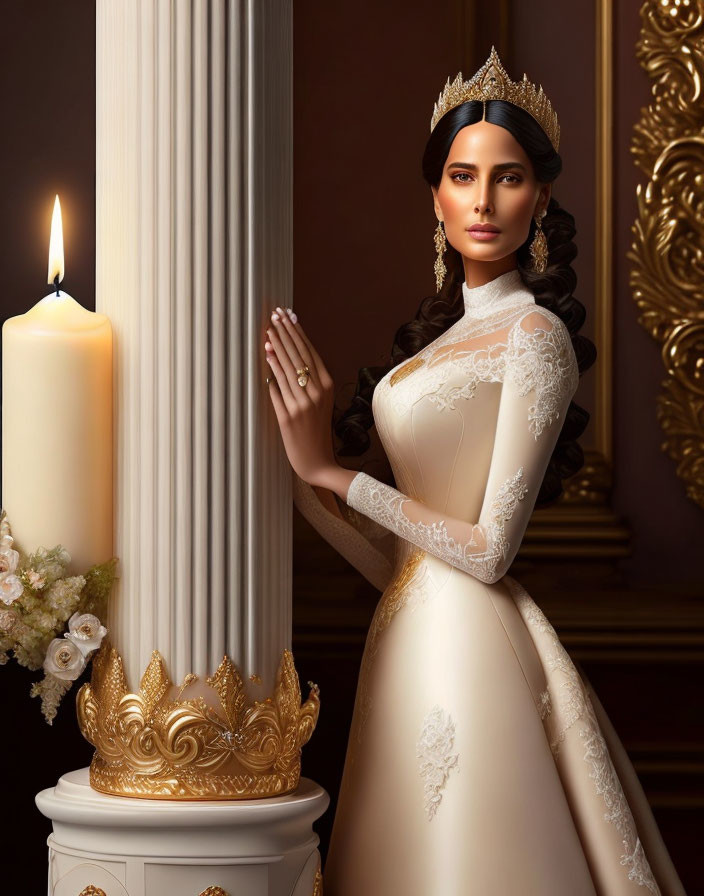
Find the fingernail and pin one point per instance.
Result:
(268, 346)
(280, 310)
(294, 317)
(274, 316)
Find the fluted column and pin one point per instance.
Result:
(193, 221)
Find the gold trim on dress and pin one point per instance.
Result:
(404, 371)
(396, 596)
(151, 746)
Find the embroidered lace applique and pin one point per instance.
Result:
(434, 750)
(540, 358)
(571, 704)
(544, 361)
(479, 365)
(618, 811)
(385, 505)
(544, 704)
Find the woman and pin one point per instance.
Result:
(479, 761)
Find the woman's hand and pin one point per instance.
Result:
(304, 413)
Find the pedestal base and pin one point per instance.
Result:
(130, 847)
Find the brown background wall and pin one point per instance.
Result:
(366, 77)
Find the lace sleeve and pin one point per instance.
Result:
(541, 377)
(362, 542)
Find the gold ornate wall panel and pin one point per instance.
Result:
(668, 274)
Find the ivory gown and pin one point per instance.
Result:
(479, 762)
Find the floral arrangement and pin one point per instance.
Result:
(39, 601)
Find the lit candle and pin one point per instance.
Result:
(57, 467)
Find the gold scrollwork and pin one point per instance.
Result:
(90, 890)
(150, 746)
(668, 250)
(214, 891)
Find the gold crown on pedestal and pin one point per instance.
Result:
(491, 82)
(152, 745)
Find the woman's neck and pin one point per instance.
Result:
(479, 273)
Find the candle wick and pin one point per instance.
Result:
(56, 284)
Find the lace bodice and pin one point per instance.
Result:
(469, 425)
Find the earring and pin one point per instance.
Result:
(539, 246)
(440, 248)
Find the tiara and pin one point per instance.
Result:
(491, 82)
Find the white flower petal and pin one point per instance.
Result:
(10, 589)
(64, 660)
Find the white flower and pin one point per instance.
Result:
(10, 589)
(8, 620)
(9, 558)
(64, 660)
(10, 586)
(35, 580)
(86, 632)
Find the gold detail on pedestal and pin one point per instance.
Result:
(318, 882)
(150, 746)
(668, 250)
(214, 891)
(90, 890)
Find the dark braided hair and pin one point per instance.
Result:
(553, 289)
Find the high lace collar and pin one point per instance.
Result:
(505, 291)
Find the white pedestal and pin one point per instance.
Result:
(130, 847)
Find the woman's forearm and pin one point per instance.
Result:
(328, 500)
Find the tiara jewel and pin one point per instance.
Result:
(491, 82)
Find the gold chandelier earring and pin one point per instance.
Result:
(440, 248)
(539, 246)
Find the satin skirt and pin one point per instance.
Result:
(479, 761)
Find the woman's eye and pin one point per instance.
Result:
(462, 177)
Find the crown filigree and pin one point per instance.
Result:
(491, 82)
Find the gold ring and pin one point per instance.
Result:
(303, 373)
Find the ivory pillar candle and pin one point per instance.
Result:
(57, 472)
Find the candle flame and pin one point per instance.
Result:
(56, 245)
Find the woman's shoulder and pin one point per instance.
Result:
(540, 344)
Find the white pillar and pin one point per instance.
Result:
(194, 241)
